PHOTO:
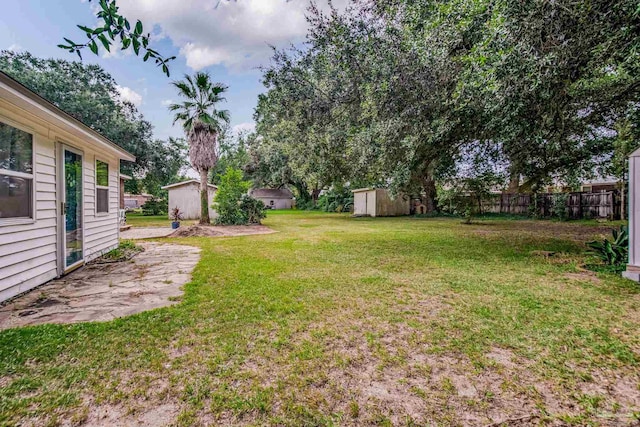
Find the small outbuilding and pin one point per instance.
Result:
(274, 198)
(185, 195)
(135, 201)
(378, 202)
(633, 267)
(59, 190)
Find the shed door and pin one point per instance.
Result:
(72, 204)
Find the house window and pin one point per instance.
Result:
(102, 187)
(16, 173)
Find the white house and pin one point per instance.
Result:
(378, 202)
(633, 268)
(186, 197)
(274, 198)
(59, 190)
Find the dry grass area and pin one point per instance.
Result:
(348, 322)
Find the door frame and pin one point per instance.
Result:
(62, 248)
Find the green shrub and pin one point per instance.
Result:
(232, 203)
(155, 206)
(559, 207)
(253, 209)
(336, 200)
(614, 252)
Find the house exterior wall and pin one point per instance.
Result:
(135, 200)
(101, 230)
(31, 250)
(187, 199)
(277, 203)
(633, 268)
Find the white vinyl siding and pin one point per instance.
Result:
(28, 252)
(101, 229)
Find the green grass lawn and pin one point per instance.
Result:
(342, 321)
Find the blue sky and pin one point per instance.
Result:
(228, 39)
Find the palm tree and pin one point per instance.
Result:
(202, 123)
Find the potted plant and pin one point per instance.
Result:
(175, 216)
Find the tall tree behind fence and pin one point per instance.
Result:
(579, 205)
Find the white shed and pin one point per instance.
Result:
(273, 198)
(378, 202)
(186, 196)
(633, 268)
(59, 190)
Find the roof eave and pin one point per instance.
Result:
(45, 104)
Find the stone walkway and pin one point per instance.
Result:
(146, 232)
(101, 292)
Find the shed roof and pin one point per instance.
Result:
(272, 193)
(181, 183)
(17, 90)
(635, 153)
(360, 190)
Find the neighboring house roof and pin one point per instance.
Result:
(125, 177)
(271, 193)
(16, 91)
(180, 184)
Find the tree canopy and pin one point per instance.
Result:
(400, 92)
(90, 94)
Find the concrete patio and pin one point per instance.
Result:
(101, 292)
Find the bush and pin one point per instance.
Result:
(253, 209)
(336, 200)
(232, 203)
(155, 206)
(559, 207)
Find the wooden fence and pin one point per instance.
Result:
(579, 205)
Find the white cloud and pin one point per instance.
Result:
(166, 102)
(244, 127)
(15, 48)
(236, 34)
(130, 95)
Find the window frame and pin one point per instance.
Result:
(101, 187)
(32, 176)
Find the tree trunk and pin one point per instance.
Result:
(314, 195)
(514, 183)
(622, 200)
(430, 194)
(204, 197)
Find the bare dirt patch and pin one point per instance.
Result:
(220, 230)
(161, 414)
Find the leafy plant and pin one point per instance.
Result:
(155, 206)
(253, 209)
(232, 203)
(176, 215)
(115, 28)
(559, 207)
(614, 252)
(336, 200)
